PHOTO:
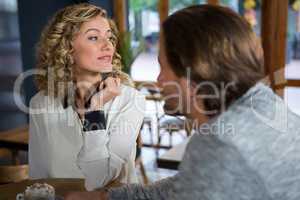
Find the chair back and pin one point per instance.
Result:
(13, 173)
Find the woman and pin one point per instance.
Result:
(86, 116)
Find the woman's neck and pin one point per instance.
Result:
(85, 83)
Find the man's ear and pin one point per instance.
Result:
(188, 85)
(194, 88)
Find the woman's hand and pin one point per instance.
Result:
(86, 196)
(111, 90)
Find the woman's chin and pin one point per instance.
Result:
(103, 69)
(97, 69)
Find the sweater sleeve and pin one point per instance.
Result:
(38, 159)
(210, 170)
(106, 150)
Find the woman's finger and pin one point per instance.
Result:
(109, 82)
(101, 86)
(118, 82)
(114, 82)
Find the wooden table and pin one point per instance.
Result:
(15, 139)
(173, 157)
(62, 186)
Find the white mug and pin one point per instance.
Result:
(20, 196)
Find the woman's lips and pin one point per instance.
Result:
(105, 58)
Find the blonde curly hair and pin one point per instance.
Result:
(54, 50)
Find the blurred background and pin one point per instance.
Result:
(139, 22)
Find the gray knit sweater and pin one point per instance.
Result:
(250, 152)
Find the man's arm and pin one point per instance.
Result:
(158, 191)
(210, 170)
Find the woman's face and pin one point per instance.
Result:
(93, 48)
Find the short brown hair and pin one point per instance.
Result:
(218, 46)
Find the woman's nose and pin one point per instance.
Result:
(106, 45)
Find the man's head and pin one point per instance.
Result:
(211, 56)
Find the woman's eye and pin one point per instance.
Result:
(93, 38)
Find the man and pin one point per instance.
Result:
(246, 143)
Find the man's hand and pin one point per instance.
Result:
(86, 196)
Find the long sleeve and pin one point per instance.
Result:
(160, 190)
(93, 159)
(37, 150)
(210, 170)
(105, 151)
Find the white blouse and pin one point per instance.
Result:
(59, 148)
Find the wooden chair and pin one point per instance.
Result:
(13, 173)
(139, 162)
(15, 140)
(5, 153)
(171, 124)
(166, 124)
(152, 93)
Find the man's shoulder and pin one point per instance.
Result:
(205, 144)
(217, 168)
